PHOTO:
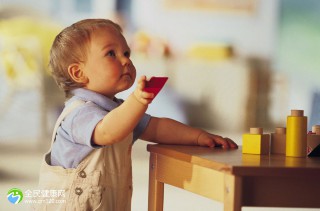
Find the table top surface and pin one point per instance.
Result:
(234, 162)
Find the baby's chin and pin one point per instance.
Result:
(127, 86)
(128, 79)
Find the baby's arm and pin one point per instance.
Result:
(120, 122)
(169, 131)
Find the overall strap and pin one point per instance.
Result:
(67, 110)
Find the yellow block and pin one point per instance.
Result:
(296, 139)
(258, 144)
(210, 51)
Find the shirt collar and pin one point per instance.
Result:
(99, 99)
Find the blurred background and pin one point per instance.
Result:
(231, 65)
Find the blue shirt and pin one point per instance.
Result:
(73, 139)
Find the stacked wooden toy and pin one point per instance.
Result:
(292, 141)
(313, 138)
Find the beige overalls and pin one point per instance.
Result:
(102, 181)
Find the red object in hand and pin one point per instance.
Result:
(155, 84)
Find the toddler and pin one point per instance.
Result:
(90, 156)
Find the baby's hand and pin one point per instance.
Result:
(211, 140)
(143, 97)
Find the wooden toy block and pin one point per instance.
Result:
(256, 142)
(316, 129)
(278, 141)
(296, 136)
(155, 84)
(313, 138)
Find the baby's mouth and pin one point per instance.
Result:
(126, 75)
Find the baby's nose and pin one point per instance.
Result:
(125, 61)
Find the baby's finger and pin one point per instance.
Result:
(231, 143)
(147, 95)
(145, 101)
(221, 142)
(143, 78)
(141, 82)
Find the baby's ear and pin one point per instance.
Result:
(77, 74)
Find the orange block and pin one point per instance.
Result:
(278, 141)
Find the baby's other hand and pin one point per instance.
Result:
(142, 96)
(211, 140)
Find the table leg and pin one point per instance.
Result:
(232, 193)
(155, 201)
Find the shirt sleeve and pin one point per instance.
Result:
(141, 126)
(84, 123)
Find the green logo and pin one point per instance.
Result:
(15, 195)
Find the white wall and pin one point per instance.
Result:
(250, 34)
(62, 11)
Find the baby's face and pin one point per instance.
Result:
(108, 66)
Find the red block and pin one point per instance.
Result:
(155, 84)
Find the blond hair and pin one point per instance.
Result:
(71, 46)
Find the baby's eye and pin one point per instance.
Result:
(111, 53)
(127, 54)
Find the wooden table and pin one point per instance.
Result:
(233, 178)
